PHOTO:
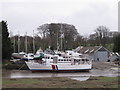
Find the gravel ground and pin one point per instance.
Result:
(104, 65)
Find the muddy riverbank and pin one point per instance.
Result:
(18, 65)
(102, 75)
(104, 65)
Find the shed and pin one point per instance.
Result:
(114, 56)
(96, 53)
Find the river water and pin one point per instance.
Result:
(82, 76)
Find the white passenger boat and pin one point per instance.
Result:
(59, 63)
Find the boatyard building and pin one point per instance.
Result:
(96, 53)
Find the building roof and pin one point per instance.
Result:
(86, 50)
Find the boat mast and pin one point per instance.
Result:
(33, 43)
(57, 41)
(14, 43)
(61, 36)
(18, 42)
(26, 43)
(13, 39)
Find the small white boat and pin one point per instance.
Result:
(59, 63)
(29, 56)
(18, 55)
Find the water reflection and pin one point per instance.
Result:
(28, 74)
(77, 76)
(81, 78)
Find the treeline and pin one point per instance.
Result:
(58, 36)
(102, 36)
(64, 37)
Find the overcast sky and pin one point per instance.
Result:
(85, 15)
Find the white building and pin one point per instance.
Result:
(96, 53)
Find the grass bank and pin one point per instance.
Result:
(61, 82)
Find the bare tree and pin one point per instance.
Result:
(102, 33)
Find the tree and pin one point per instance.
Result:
(6, 43)
(116, 41)
(92, 40)
(52, 33)
(102, 34)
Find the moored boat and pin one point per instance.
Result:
(18, 55)
(29, 56)
(59, 63)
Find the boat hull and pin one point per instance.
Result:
(75, 70)
(35, 67)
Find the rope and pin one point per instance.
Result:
(21, 66)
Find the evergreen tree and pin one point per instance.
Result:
(6, 43)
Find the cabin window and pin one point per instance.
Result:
(61, 59)
(82, 59)
(48, 57)
(51, 57)
(87, 60)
